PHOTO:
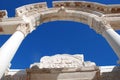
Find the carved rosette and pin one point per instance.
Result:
(24, 28)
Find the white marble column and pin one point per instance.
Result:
(113, 38)
(8, 50)
(103, 27)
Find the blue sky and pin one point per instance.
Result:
(58, 38)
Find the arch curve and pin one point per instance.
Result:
(71, 11)
(100, 17)
(80, 11)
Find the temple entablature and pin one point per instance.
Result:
(79, 11)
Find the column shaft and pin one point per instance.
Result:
(113, 39)
(8, 50)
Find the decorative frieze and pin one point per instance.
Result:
(31, 7)
(63, 61)
(63, 67)
(88, 6)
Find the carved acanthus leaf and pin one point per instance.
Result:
(100, 24)
(24, 28)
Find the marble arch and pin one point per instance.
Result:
(104, 19)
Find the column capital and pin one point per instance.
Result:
(100, 24)
(24, 28)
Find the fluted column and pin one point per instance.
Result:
(8, 50)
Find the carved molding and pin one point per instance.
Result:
(64, 62)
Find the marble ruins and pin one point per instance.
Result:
(104, 19)
(64, 67)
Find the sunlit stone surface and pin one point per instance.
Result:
(103, 19)
(63, 61)
(86, 71)
(65, 66)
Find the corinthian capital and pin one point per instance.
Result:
(24, 28)
(100, 25)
